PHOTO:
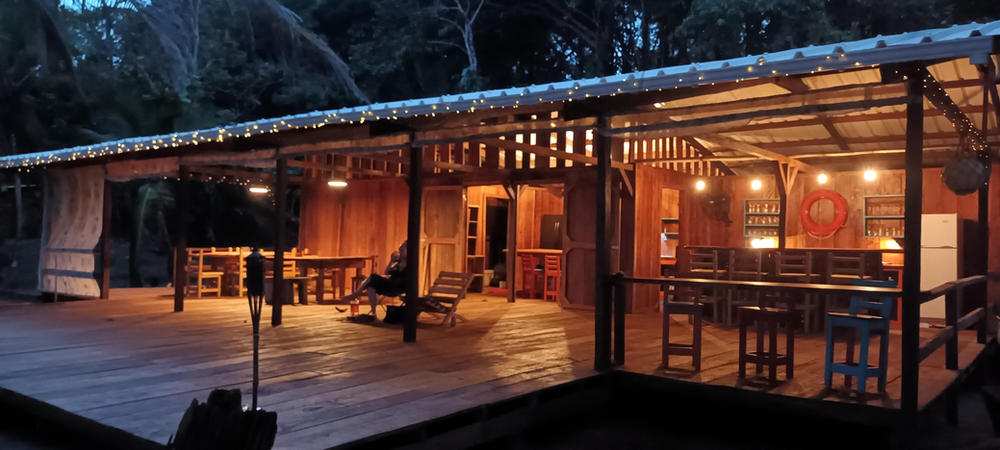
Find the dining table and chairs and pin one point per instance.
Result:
(221, 272)
(767, 292)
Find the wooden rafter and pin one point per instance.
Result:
(797, 86)
(806, 143)
(751, 149)
(342, 169)
(704, 152)
(428, 164)
(740, 119)
(546, 152)
(935, 93)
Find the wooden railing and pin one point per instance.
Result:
(981, 318)
(954, 295)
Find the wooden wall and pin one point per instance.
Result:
(365, 218)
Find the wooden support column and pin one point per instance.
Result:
(280, 193)
(180, 240)
(602, 248)
(416, 191)
(983, 223)
(911, 248)
(627, 232)
(780, 181)
(514, 193)
(106, 241)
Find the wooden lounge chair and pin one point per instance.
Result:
(442, 300)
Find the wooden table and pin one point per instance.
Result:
(537, 254)
(323, 263)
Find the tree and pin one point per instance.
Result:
(461, 15)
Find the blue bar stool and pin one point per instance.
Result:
(866, 326)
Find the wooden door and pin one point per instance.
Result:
(442, 242)
(578, 245)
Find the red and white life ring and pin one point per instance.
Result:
(840, 212)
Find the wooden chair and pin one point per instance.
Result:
(706, 263)
(842, 269)
(800, 267)
(198, 274)
(552, 275)
(444, 295)
(867, 325)
(694, 311)
(529, 275)
(744, 265)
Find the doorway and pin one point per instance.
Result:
(496, 238)
(670, 229)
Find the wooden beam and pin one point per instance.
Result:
(797, 86)
(546, 152)
(348, 146)
(342, 169)
(280, 194)
(708, 153)
(780, 180)
(106, 240)
(911, 249)
(514, 194)
(935, 93)
(751, 149)
(481, 132)
(181, 212)
(694, 126)
(625, 103)
(602, 249)
(416, 193)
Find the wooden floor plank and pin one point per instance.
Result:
(132, 363)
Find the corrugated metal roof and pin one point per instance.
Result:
(972, 40)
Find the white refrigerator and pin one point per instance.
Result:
(938, 258)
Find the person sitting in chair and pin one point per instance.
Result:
(392, 284)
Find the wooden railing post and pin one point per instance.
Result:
(620, 288)
(951, 302)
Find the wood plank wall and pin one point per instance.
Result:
(365, 218)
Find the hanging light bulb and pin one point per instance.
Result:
(337, 183)
(870, 175)
(821, 178)
(755, 185)
(700, 185)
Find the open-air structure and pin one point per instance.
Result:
(690, 184)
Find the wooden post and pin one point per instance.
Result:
(416, 181)
(911, 248)
(984, 227)
(514, 194)
(277, 288)
(620, 290)
(106, 241)
(180, 241)
(602, 248)
(627, 234)
(952, 306)
(782, 203)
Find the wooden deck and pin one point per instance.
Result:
(131, 363)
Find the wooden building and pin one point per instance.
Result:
(641, 168)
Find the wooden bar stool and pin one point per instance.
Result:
(694, 312)
(769, 318)
(552, 275)
(529, 275)
(866, 325)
